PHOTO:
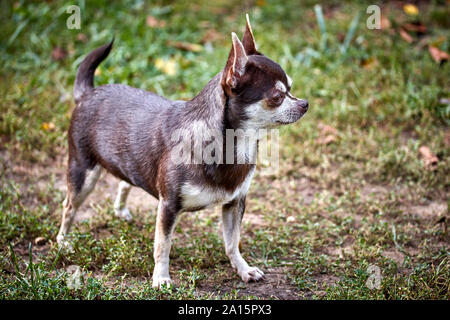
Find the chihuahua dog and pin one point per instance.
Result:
(127, 131)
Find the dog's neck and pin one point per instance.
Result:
(210, 108)
(212, 105)
(209, 104)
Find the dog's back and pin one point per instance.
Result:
(116, 126)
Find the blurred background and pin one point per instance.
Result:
(364, 176)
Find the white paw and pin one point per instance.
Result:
(63, 243)
(251, 274)
(158, 282)
(123, 214)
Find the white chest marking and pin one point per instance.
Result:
(197, 196)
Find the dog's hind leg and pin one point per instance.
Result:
(232, 214)
(165, 224)
(80, 182)
(119, 204)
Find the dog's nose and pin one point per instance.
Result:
(303, 104)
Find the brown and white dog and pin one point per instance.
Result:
(128, 132)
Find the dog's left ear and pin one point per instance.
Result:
(248, 41)
(235, 67)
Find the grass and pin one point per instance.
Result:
(362, 198)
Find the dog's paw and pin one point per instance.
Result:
(63, 243)
(123, 214)
(158, 282)
(251, 274)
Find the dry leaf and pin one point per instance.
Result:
(415, 27)
(59, 53)
(39, 241)
(385, 23)
(82, 37)
(48, 126)
(405, 35)
(167, 66)
(411, 9)
(327, 139)
(438, 55)
(327, 134)
(326, 129)
(369, 63)
(152, 22)
(185, 46)
(429, 158)
(211, 35)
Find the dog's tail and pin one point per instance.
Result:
(84, 82)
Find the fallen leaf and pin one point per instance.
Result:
(152, 22)
(59, 53)
(438, 55)
(405, 35)
(326, 129)
(82, 37)
(416, 27)
(185, 46)
(48, 126)
(430, 160)
(411, 9)
(211, 35)
(167, 66)
(385, 23)
(369, 63)
(327, 134)
(39, 241)
(327, 139)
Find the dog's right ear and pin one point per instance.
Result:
(248, 41)
(235, 67)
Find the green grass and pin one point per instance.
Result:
(333, 210)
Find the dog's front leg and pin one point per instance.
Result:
(165, 223)
(232, 214)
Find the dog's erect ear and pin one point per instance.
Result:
(248, 40)
(235, 67)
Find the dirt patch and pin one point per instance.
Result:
(395, 255)
(370, 190)
(276, 285)
(433, 210)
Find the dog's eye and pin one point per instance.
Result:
(278, 99)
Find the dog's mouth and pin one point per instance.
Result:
(284, 122)
(291, 120)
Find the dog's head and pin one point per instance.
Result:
(257, 88)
